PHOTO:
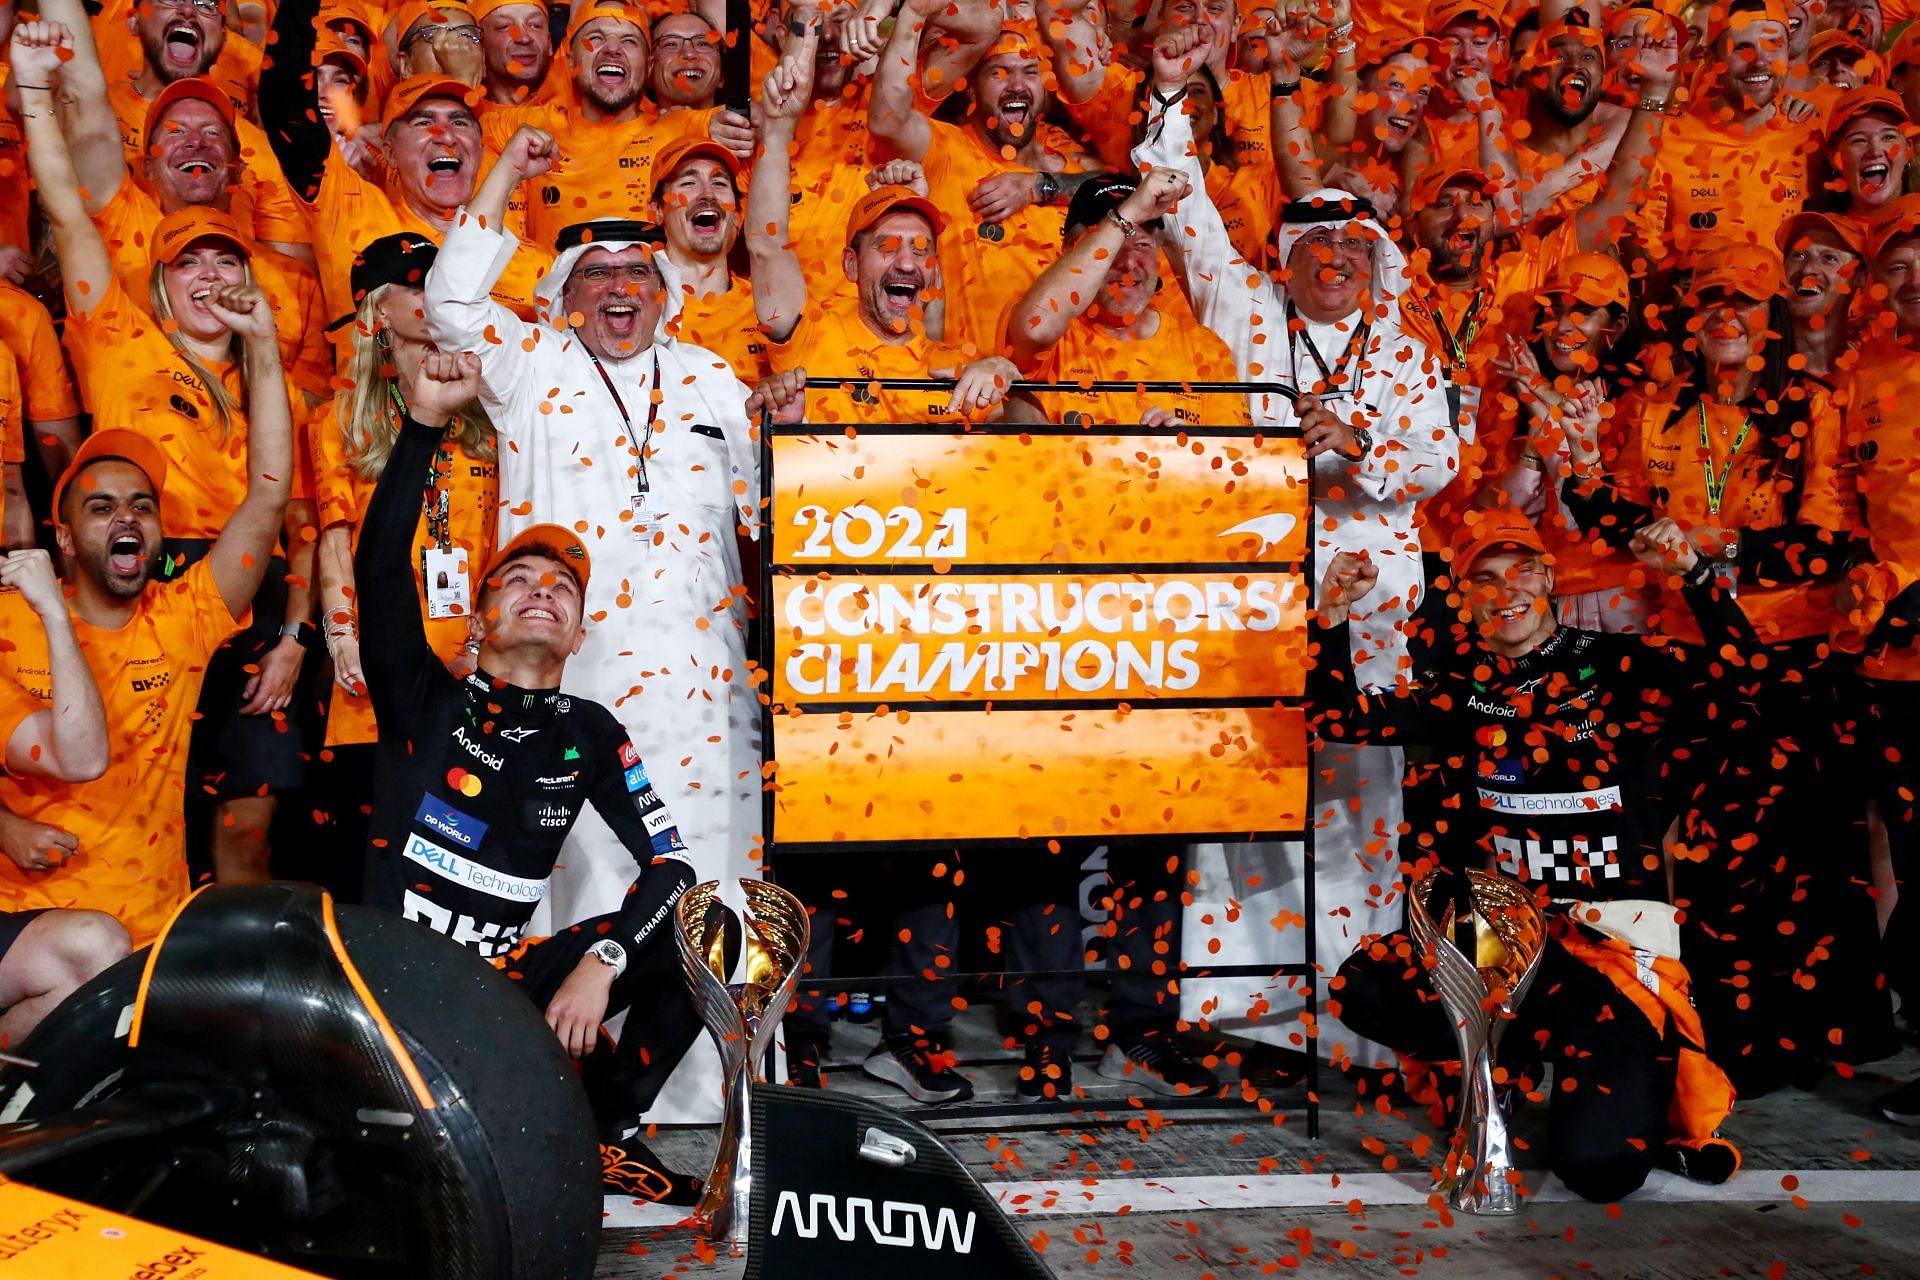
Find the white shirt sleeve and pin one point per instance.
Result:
(1415, 448)
(462, 316)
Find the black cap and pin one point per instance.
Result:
(403, 258)
(1098, 197)
(610, 231)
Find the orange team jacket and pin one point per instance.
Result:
(132, 861)
(830, 165)
(26, 329)
(236, 69)
(1664, 466)
(832, 342)
(985, 267)
(1179, 350)
(349, 213)
(1465, 331)
(1711, 181)
(277, 214)
(728, 325)
(1882, 441)
(342, 494)
(604, 170)
(135, 380)
(127, 224)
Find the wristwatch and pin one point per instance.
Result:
(611, 954)
(301, 631)
(1363, 438)
(1046, 187)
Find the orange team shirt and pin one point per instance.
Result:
(342, 493)
(15, 182)
(1885, 448)
(127, 225)
(604, 170)
(350, 213)
(985, 266)
(26, 329)
(277, 215)
(728, 325)
(1183, 350)
(832, 341)
(132, 862)
(236, 69)
(1668, 473)
(13, 431)
(830, 165)
(135, 380)
(1712, 182)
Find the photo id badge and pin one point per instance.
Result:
(446, 578)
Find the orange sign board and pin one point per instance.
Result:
(1006, 633)
(903, 496)
(964, 775)
(902, 638)
(50, 1237)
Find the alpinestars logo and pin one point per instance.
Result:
(898, 1221)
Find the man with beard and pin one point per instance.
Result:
(148, 645)
(697, 205)
(686, 63)
(600, 371)
(1570, 132)
(990, 263)
(1733, 166)
(606, 133)
(1868, 141)
(1824, 257)
(434, 155)
(1375, 423)
(181, 41)
(519, 52)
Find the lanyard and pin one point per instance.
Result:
(1717, 485)
(653, 413)
(1334, 377)
(1457, 345)
(435, 500)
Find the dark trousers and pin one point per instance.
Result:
(1890, 740)
(1613, 1076)
(923, 940)
(624, 1077)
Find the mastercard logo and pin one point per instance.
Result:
(1489, 736)
(463, 782)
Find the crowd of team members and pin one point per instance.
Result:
(1632, 285)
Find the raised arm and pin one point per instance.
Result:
(238, 560)
(1600, 225)
(461, 312)
(893, 116)
(1069, 31)
(1337, 710)
(67, 741)
(86, 114)
(38, 49)
(779, 284)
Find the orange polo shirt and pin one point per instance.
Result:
(277, 215)
(1711, 181)
(727, 325)
(832, 341)
(13, 428)
(1179, 349)
(830, 165)
(26, 329)
(132, 861)
(236, 69)
(342, 494)
(1885, 449)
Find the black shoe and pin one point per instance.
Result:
(803, 1065)
(1902, 1106)
(921, 1067)
(1048, 1072)
(1711, 1162)
(1158, 1064)
(628, 1168)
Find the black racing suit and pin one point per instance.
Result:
(476, 785)
(1557, 770)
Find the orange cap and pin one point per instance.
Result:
(1744, 269)
(1594, 278)
(329, 47)
(198, 88)
(183, 227)
(1436, 178)
(1443, 13)
(1574, 24)
(410, 92)
(447, 13)
(1385, 45)
(1017, 39)
(618, 12)
(1847, 230)
(1492, 529)
(129, 446)
(688, 146)
(1901, 216)
(1906, 50)
(1721, 21)
(562, 543)
(881, 201)
(1854, 103)
(482, 8)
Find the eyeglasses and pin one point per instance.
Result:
(605, 274)
(208, 7)
(469, 32)
(674, 46)
(1340, 246)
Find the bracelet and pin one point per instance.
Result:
(22, 84)
(1168, 101)
(1656, 105)
(1340, 48)
(1126, 228)
(1342, 31)
(1286, 90)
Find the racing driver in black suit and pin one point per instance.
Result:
(478, 781)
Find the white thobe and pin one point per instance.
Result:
(1247, 895)
(666, 645)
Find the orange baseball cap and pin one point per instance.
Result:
(1744, 269)
(1438, 177)
(1722, 21)
(409, 93)
(1016, 38)
(184, 227)
(1906, 50)
(1896, 221)
(562, 543)
(1443, 13)
(1854, 103)
(198, 88)
(688, 146)
(618, 12)
(446, 13)
(881, 201)
(1847, 230)
(1492, 529)
(328, 47)
(482, 8)
(1596, 279)
(127, 446)
(1574, 24)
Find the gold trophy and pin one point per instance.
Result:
(741, 1016)
(1508, 937)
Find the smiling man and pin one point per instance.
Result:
(479, 780)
